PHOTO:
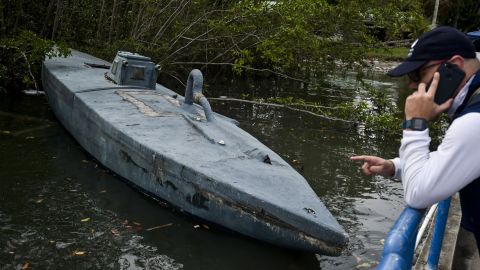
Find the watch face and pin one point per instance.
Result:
(417, 125)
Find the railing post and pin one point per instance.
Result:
(438, 234)
(399, 246)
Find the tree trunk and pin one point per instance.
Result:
(19, 12)
(119, 22)
(112, 21)
(435, 12)
(458, 7)
(136, 9)
(58, 17)
(47, 17)
(3, 27)
(477, 8)
(100, 20)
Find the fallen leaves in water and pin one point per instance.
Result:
(358, 258)
(136, 226)
(79, 253)
(25, 266)
(203, 225)
(364, 265)
(85, 219)
(115, 232)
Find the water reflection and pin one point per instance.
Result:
(60, 209)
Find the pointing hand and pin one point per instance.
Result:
(376, 165)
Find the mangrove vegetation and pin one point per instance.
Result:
(301, 40)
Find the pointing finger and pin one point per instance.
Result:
(367, 161)
(357, 158)
(361, 158)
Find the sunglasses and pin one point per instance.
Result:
(415, 76)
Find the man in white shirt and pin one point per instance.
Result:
(429, 177)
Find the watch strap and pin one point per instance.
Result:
(418, 124)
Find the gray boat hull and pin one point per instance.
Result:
(210, 169)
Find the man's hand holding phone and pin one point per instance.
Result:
(421, 103)
(451, 76)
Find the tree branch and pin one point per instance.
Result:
(286, 107)
(244, 67)
(170, 19)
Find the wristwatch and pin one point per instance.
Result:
(418, 124)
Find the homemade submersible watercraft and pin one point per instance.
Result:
(182, 152)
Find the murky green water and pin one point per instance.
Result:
(59, 209)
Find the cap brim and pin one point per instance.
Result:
(405, 68)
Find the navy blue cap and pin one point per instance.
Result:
(438, 44)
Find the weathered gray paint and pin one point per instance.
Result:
(210, 169)
(193, 93)
(133, 69)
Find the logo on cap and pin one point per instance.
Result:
(410, 52)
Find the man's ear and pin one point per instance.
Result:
(457, 60)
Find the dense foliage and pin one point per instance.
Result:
(21, 59)
(460, 14)
(294, 37)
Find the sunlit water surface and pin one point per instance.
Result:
(60, 209)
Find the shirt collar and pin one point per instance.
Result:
(460, 98)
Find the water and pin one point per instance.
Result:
(60, 209)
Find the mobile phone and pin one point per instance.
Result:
(450, 78)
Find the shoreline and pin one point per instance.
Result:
(381, 66)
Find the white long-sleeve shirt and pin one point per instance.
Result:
(429, 177)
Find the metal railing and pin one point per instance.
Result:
(399, 246)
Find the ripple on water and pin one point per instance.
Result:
(139, 256)
(65, 228)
